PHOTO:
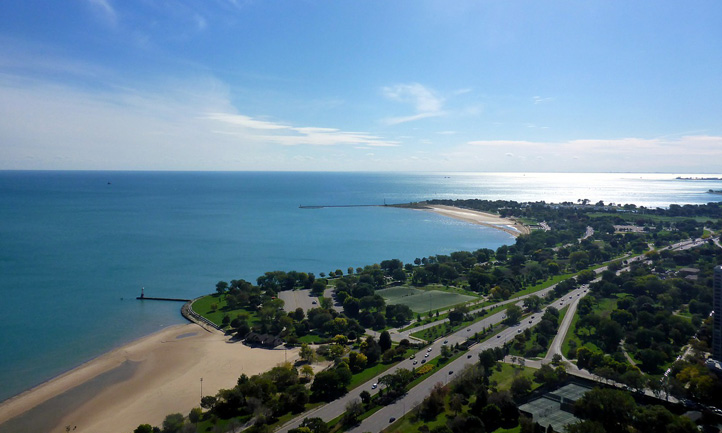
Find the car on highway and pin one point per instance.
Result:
(446, 341)
(518, 331)
(423, 361)
(314, 302)
(392, 419)
(451, 372)
(498, 336)
(428, 350)
(412, 356)
(374, 386)
(415, 362)
(426, 356)
(468, 356)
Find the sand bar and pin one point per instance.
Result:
(507, 225)
(141, 382)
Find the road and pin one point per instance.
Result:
(380, 419)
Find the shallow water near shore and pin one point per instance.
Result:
(78, 246)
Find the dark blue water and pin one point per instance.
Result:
(76, 247)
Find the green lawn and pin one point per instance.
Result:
(422, 301)
(543, 285)
(203, 306)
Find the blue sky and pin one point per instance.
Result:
(568, 86)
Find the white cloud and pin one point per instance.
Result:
(244, 121)
(105, 8)
(425, 102)
(540, 100)
(292, 136)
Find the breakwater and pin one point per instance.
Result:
(339, 205)
(148, 298)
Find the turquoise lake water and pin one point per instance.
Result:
(76, 247)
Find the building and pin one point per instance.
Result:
(555, 408)
(717, 305)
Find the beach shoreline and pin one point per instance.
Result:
(140, 382)
(507, 225)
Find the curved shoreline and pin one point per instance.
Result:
(133, 384)
(507, 225)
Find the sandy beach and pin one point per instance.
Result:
(510, 226)
(141, 382)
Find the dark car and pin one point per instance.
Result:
(392, 419)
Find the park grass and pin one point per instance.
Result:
(313, 339)
(438, 331)
(421, 301)
(571, 336)
(603, 307)
(203, 305)
(543, 285)
(505, 376)
(367, 374)
(646, 217)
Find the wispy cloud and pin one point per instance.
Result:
(105, 9)
(292, 136)
(425, 102)
(541, 100)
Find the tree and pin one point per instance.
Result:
(208, 402)
(385, 341)
(195, 415)
(456, 316)
(365, 397)
(221, 287)
(456, 402)
(513, 314)
(316, 425)
(307, 353)
(351, 306)
(354, 409)
(520, 386)
(173, 423)
(144, 428)
(307, 371)
(610, 407)
(585, 426)
(532, 303)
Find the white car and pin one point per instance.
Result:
(374, 385)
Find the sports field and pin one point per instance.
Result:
(421, 301)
